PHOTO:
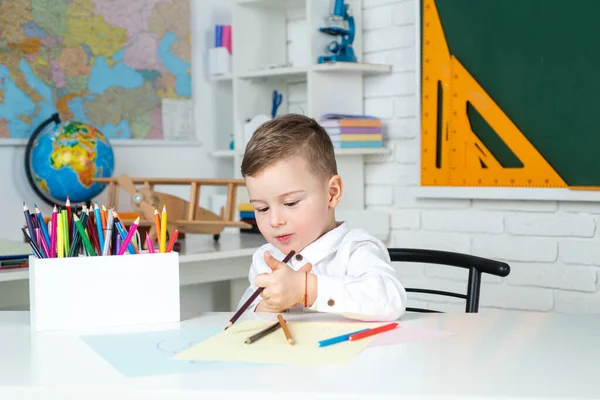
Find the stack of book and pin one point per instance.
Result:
(353, 131)
(247, 215)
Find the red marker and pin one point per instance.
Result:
(374, 331)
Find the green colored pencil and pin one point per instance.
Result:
(65, 225)
(84, 237)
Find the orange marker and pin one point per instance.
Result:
(103, 216)
(157, 225)
(374, 331)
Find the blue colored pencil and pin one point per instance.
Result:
(98, 219)
(29, 224)
(338, 339)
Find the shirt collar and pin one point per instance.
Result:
(325, 245)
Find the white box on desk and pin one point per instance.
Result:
(103, 291)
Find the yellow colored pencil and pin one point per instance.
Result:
(163, 230)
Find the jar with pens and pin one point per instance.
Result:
(88, 271)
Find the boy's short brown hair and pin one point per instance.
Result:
(284, 137)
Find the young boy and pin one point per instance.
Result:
(291, 175)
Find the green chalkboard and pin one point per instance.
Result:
(540, 62)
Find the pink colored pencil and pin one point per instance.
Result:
(40, 238)
(129, 236)
(53, 234)
(149, 244)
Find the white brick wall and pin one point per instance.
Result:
(553, 248)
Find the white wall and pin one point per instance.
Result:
(552, 247)
(554, 263)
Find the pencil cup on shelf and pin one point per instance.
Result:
(96, 292)
(219, 61)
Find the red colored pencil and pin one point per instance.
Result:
(374, 331)
(172, 240)
(69, 216)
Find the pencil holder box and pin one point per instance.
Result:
(96, 292)
(219, 61)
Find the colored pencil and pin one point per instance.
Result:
(104, 215)
(66, 237)
(130, 234)
(123, 233)
(149, 243)
(253, 297)
(100, 231)
(42, 225)
(286, 329)
(39, 236)
(69, 217)
(172, 240)
(93, 233)
(109, 228)
(33, 246)
(53, 233)
(29, 222)
(76, 244)
(59, 237)
(374, 331)
(118, 244)
(84, 237)
(338, 339)
(157, 225)
(263, 333)
(163, 230)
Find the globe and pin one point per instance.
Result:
(62, 158)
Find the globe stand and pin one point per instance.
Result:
(28, 149)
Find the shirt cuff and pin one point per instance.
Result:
(330, 294)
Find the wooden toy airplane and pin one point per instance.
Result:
(181, 216)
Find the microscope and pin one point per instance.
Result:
(342, 52)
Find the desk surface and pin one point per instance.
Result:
(494, 355)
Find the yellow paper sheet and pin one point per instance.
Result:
(230, 344)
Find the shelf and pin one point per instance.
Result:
(358, 152)
(274, 4)
(300, 71)
(120, 143)
(282, 72)
(365, 69)
(226, 153)
(338, 152)
(224, 77)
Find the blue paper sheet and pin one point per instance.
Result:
(149, 353)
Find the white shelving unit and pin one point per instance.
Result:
(262, 62)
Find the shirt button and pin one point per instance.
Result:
(331, 302)
(299, 257)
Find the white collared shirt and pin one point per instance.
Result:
(355, 277)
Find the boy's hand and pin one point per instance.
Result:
(284, 287)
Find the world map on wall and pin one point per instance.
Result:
(104, 62)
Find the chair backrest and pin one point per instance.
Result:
(475, 265)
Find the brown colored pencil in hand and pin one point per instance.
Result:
(254, 296)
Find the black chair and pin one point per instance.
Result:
(475, 265)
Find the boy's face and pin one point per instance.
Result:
(293, 206)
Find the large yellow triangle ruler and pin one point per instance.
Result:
(451, 153)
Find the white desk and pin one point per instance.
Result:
(202, 261)
(495, 356)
